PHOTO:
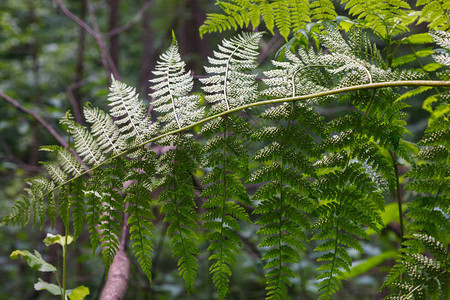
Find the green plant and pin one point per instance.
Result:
(321, 181)
(36, 262)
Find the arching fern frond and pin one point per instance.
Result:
(177, 167)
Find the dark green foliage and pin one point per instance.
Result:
(178, 166)
(227, 159)
(286, 195)
(138, 205)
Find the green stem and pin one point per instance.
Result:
(397, 193)
(66, 234)
(376, 85)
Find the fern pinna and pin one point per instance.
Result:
(227, 87)
(177, 165)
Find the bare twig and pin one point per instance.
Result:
(74, 18)
(107, 63)
(35, 116)
(106, 56)
(73, 101)
(133, 21)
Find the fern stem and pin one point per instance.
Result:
(222, 213)
(225, 82)
(397, 193)
(63, 294)
(376, 85)
(172, 100)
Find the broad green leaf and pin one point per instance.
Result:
(52, 239)
(400, 61)
(79, 293)
(413, 92)
(34, 261)
(50, 287)
(369, 264)
(431, 67)
(424, 52)
(420, 38)
(427, 104)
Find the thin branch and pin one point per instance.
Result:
(74, 18)
(107, 63)
(106, 56)
(35, 116)
(133, 21)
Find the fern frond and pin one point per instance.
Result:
(85, 143)
(225, 194)
(386, 18)
(138, 202)
(427, 276)
(130, 113)
(103, 128)
(322, 10)
(228, 86)
(177, 167)
(436, 12)
(67, 161)
(177, 109)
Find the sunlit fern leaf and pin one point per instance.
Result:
(267, 15)
(68, 162)
(282, 15)
(436, 12)
(228, 86)
(299, 11)
(138, 202)
(386, 18)
(104, 130)
(85, 144)
(238, 13)
(129, 113)
(322, 10)
(55, 172)
(296, 76)
(170, 91)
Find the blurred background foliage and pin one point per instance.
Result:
(50, 65)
